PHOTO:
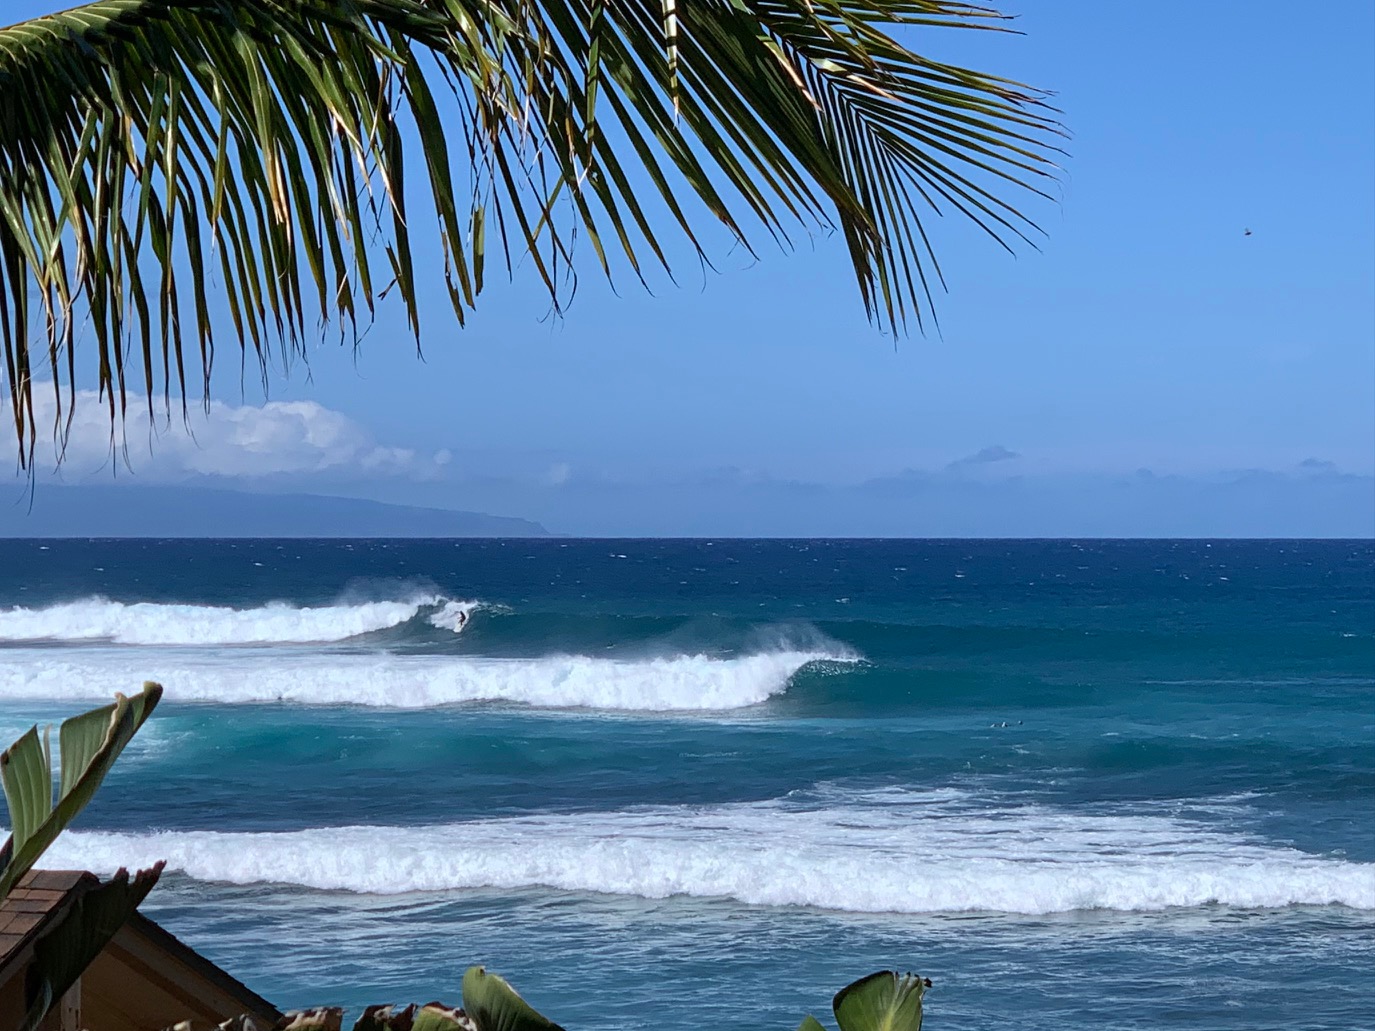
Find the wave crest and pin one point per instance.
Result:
(678, 683)
(152, 623)
(859, 858)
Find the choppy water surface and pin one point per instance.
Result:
(685, 784)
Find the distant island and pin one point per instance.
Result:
(179, 511)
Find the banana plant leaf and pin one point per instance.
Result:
(885, 1001)
(90, 744)
(493, 1005)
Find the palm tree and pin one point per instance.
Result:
(156, 154)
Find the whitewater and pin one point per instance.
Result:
(149, 623)
(895, 852)
(673, 683)
(221, 654)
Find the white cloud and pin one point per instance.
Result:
(279, 438)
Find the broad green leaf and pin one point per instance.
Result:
(27, 776)
(811, 1024)
(494, 1005)
(79, 739)
(96, 740)
(885, 1001)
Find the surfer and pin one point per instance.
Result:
(460, 621)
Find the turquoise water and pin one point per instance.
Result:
(686, 784)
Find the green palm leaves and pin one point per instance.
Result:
(157, 153)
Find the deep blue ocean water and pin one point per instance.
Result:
(703, 784)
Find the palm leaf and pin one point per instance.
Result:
(148, 146)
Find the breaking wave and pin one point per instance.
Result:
(682, 682)
(151, 623)
(893, 852)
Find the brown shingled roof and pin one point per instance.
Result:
(39, 896)
(144, 977)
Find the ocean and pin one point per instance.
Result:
(679, 785)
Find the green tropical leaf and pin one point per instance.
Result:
(158, 157)
(67, 948)
(885, 1001)
(26, 771)
(811, 1024)
(493, 1005)
(90, 744)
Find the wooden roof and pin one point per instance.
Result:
(39, 896)
(145, 974)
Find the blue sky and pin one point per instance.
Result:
(1148, 334)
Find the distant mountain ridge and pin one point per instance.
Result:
(180, 511)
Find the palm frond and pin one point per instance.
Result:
(152, 148)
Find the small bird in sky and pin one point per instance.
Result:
(1247, 233)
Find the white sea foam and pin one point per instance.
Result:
(150, 623)
(923, 854)
(683, 682)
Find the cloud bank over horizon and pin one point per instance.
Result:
(302, 447)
